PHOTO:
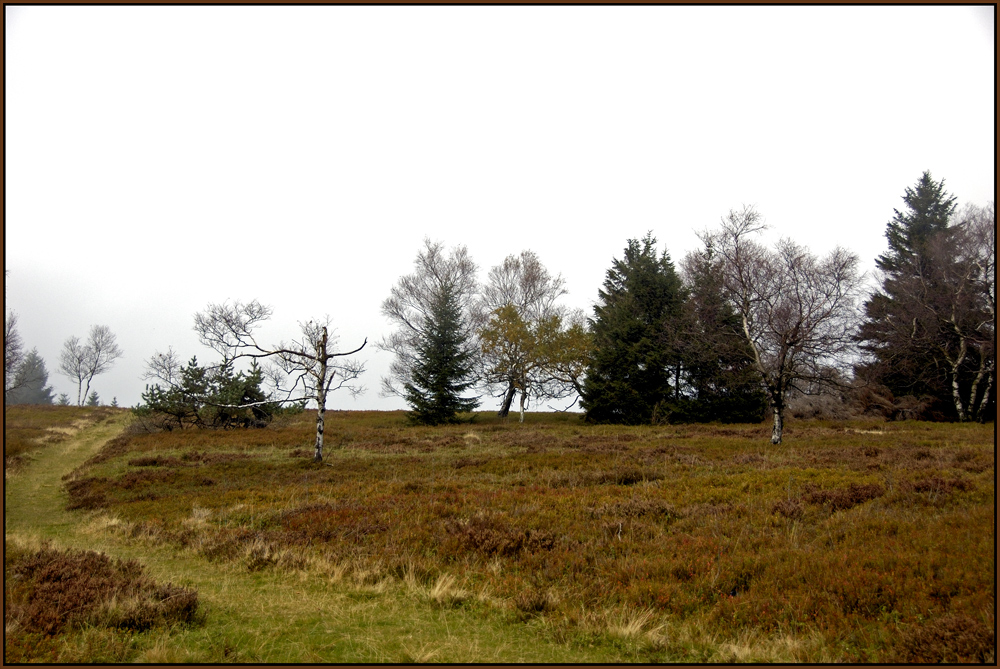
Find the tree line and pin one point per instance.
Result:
(738, 330)
(26, 377)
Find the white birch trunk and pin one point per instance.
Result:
(778, 425)
(974, 408)
(955, 392)
(320, 395)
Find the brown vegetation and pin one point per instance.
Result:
(47, 591)
(844, 534)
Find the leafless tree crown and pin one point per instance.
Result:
(82, 361)
(410, 304)
(798, 312)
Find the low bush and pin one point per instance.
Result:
(48, 592)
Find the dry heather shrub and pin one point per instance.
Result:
(48, 590)
(112, 449)
(493, 537)
(156, 461)
(87, 493)
(941, 486)
(637, 508)
(841, 499)
(789, 508)
(952, 639)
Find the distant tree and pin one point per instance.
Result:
(63, 400)
(567, 345)
(630, 369)
(311, 364)
(798, 313)
(439, 282)
(82, 361)
(928, 210)
(931, 331)
(543, 358)
(93, 400)
(211, 397)
(13, 355)
(715, 378)
(114, 402)
(527, 292)
(30, 384)
(443, 366)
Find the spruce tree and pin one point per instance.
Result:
(894, 332)
(31, 382)
(444, 365)
(630, 371)
(928, 210)
(718, 380)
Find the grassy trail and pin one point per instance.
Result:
(268, 616)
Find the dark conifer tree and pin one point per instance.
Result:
(630, 372)
(716, 380)
(928, 210)
(894, 332)
(444, 365)
(30, 382)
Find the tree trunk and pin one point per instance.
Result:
(318, 456)
(320, 395)
(975, 409)
(507, 401)
(980, 415)
(524, 399)
(779, 423)
(79, 390)
(955, 391)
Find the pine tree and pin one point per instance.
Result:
(443, 368)
(631, 365)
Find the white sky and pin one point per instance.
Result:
(161, 158)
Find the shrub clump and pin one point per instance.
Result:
(789, 508)
(841, 499)
(953, 639)
(637, 508)
(492, 537)
(47, 591)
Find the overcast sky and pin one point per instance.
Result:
(160, 158)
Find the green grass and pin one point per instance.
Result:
(551, 541)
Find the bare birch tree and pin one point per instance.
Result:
(13, 354)
(798, 312)
(82, 361)
(311, 362)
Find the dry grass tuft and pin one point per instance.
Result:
(632, 624)
(446, 594)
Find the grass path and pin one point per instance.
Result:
(268, 616)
